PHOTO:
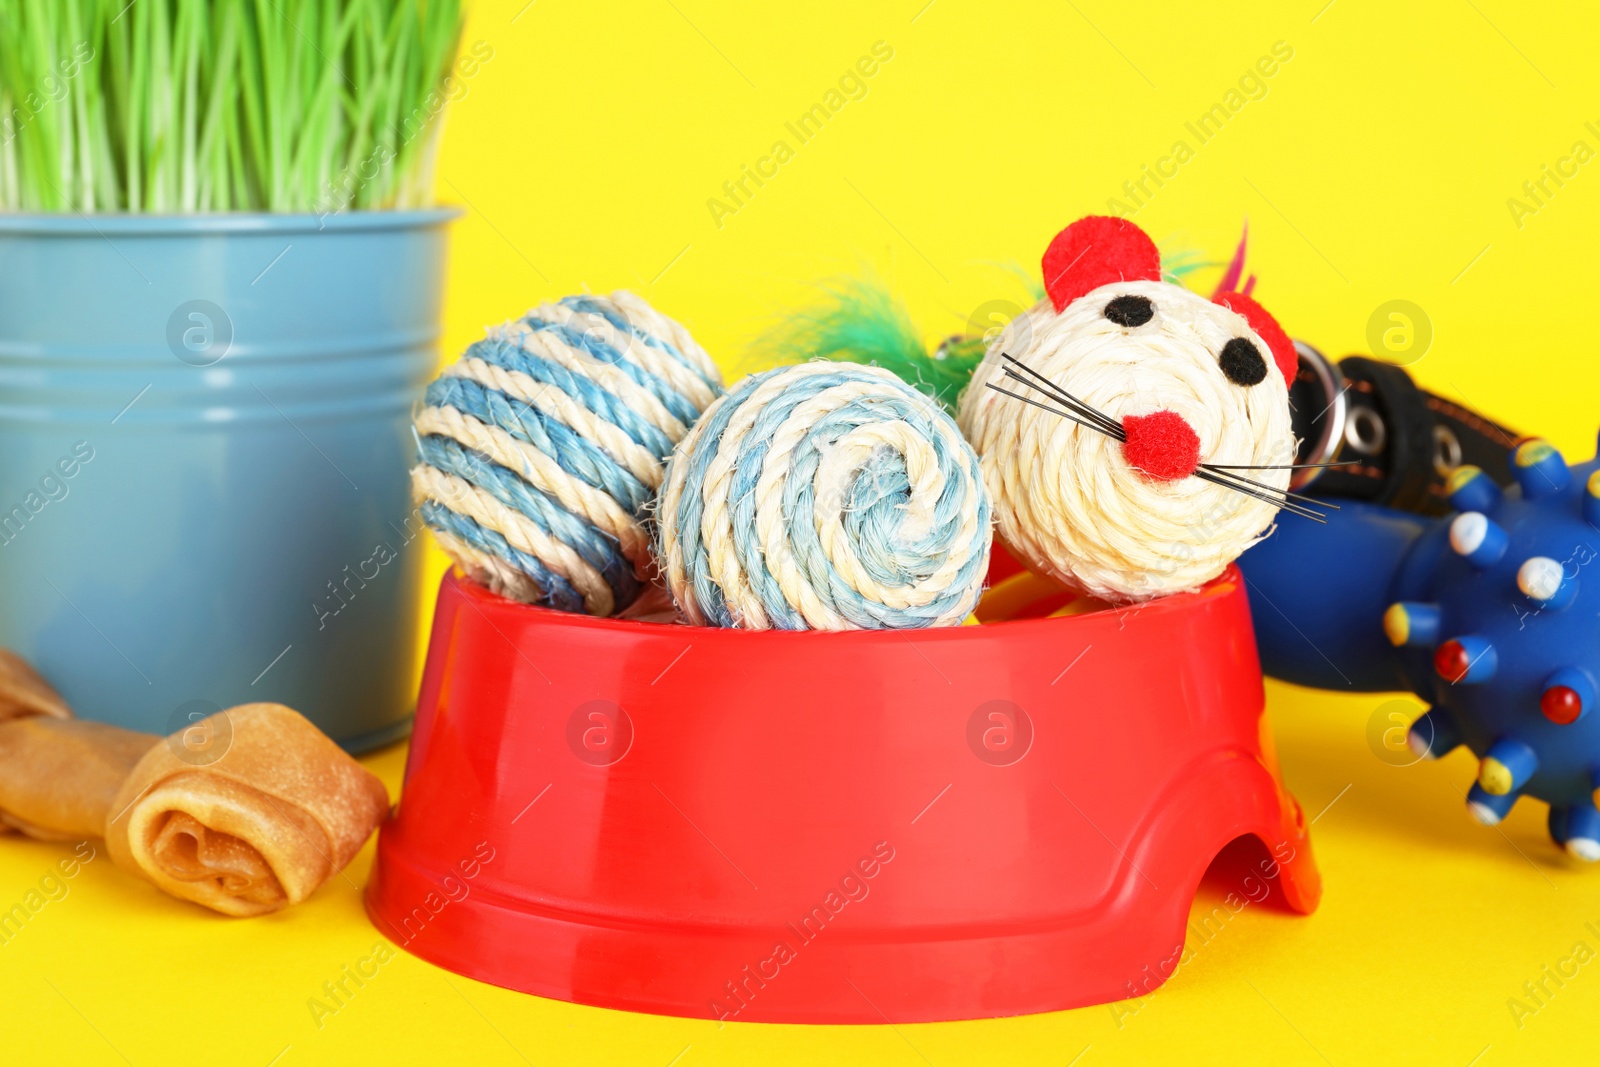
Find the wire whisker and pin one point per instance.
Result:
(1046, 407)
(1268, 488)
(1066, 401)
(1061, 394)
(1285, 505)
(1292, 509)
(1263, 487)
(1274, 466)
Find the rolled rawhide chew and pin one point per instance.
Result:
(824, 496)
(278, 812)
(542, 446)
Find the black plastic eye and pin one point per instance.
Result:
(1242, 362)
(1130, 310)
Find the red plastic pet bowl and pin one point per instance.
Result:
(829, 827)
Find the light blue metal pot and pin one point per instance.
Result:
(204, 441)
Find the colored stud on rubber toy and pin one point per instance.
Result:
(1433, 735)
(1488, 808)
(1568, 695)
(1577, 829)
(1472, 490)
(1466, 660)
(1412, 624)
(1539, 468)
(1507, 766)
(1546, 583)
(1476, 539)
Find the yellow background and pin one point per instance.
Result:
(1377, 166)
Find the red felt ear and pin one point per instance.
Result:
(1262, 322)
(1094, 251)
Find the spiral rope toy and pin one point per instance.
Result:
(542, 447)
(824, 496)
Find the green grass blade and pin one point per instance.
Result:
(221, 105)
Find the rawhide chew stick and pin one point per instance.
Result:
(23, 692)
(58, 776)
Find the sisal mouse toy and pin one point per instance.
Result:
(1134, 435)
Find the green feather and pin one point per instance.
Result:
(860, 321)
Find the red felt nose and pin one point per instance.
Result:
(1161, 444)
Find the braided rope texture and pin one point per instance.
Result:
(543, 447)
(1067, 502)
(824, 496)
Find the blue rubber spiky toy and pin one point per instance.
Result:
(1491, 615)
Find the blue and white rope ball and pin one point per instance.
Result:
(543, 445)
(824, 496)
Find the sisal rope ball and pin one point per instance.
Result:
(824, 496)
(1076, 504)
(1134, 434)
(542, 447)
